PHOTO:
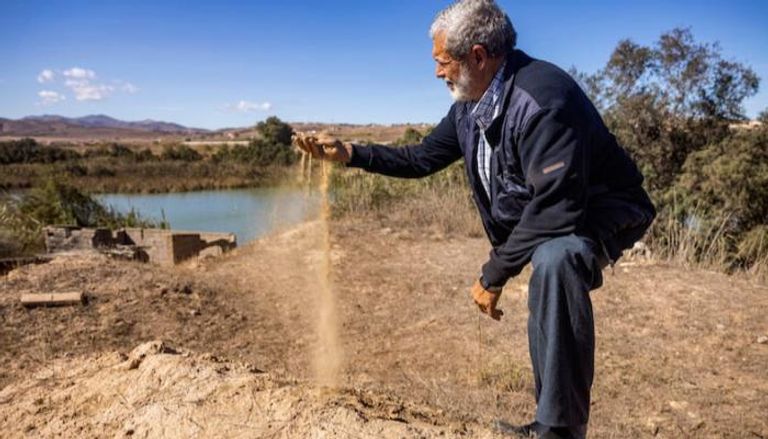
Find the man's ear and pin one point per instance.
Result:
(479, 55)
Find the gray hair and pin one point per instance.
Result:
(470, 22)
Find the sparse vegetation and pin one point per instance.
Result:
(176, 167)
(180, 153)
(441, 202)
(505, 375)
(52, 202)
(28, 151)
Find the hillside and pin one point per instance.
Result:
(94, 128)
(680, 353)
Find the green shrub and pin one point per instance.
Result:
(29, 151)
(55, 203)
(275, 131)
(721, 197)
(257, 153)
(114, 150)
(180, 153)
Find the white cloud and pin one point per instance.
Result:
(84, 85)
(79, 73)
(246, 106)
(45, 76)
(85, 90)
(49, 97)
(79, 81)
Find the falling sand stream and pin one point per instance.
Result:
(327, 356)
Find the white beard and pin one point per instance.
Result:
(460, 92)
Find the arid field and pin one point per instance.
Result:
(680, 353)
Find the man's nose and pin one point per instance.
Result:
(439, 72)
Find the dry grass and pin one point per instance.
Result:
(711, 243)
(703, 245)
(440, 203)
(506, 375)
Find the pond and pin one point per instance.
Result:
(248, 213)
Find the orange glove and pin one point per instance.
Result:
(486, 300)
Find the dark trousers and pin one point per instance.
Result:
(561, 332)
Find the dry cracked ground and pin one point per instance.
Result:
(680, 353)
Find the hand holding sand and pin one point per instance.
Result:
(323, 146)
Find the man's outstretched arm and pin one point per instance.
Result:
(436, 151)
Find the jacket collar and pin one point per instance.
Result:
(484, 110)
(516, 59)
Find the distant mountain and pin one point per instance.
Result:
(103, 128)
(93, 121)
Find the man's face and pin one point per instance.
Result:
(456, 74)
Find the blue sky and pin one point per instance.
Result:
(216, 64)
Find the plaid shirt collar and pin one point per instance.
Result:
(485, 110)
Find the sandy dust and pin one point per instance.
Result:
(157, 391)
(328, 355)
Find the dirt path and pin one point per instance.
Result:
(677, 356)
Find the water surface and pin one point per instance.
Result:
(248, 213)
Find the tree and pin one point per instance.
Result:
(275, 131)
(689, 79)
(670, 105)
(668, 100)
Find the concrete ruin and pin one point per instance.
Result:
(157, 246)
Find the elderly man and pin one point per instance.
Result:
(550, 182)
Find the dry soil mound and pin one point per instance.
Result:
(158, 391)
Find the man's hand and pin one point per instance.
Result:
(486, 301)
(323, 146)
